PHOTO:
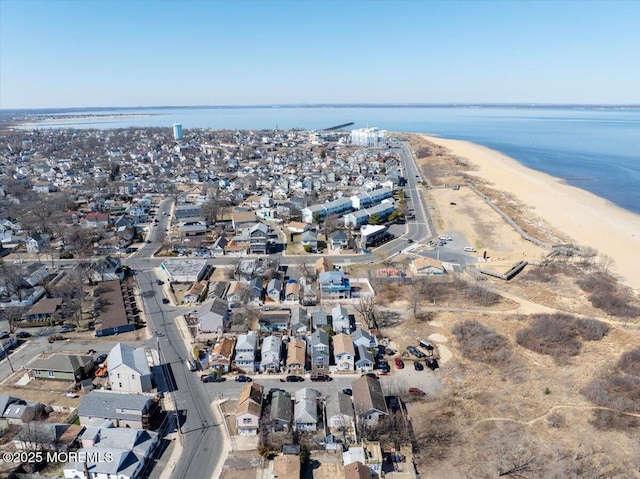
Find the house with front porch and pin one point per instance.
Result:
(271, 350)
(343, 352)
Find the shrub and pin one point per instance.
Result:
(606, 420)
(629, 362)
(607, 295)
(307, 248)
(479, 343)
(554, 335)
(591, 329)
(482, 296)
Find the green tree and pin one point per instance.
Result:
(317, 217)
(375, 219)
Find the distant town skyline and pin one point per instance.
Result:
(64, 54)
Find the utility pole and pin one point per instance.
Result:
(4, 350)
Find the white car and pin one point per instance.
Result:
(470, 249)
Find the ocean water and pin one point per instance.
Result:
(594, 148)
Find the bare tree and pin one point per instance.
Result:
(366, 307)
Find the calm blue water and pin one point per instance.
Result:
(597, 149)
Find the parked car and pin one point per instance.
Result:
(417, 353)
(165, 301)
(159, 282)
(371, 375)
(417, 392)
(191, 365)
(292, 379)
(347, 391)
(389, 352)
(399, 363)
(67, 328)
(418, 366)
(243, 379)
(101, 359)
(23, 334)
(320, 377)
(212, 378)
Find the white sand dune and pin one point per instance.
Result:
(586, 218)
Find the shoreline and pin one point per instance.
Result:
(586, 218)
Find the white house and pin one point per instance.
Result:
(305, 410)
(343, 352)
(340, 319)
(270, 359)
(215, 319)
(128, 369)
(246, 351)
(249, 409)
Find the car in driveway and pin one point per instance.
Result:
(399, 363)
(347, 391)
(159, 282)
(292, 379)
(243, 379)
(417, 365)
(165, 301)
(371, 375)
(101, 359)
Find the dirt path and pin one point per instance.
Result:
(531, 422)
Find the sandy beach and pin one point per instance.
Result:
(588, 219)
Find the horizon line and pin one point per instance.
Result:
(338, 105)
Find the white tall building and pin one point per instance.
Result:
(368, 137)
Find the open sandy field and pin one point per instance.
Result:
(575, 213)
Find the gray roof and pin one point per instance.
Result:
(339, 403)
(124, 462)
(110, 405)
(339, 235)
(306, 406)
(281, 409)
(319, 337)
(67, 363)
(367, 395)
(136, 359)
(364, 354)
(137, 440)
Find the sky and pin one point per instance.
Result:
(62, 54)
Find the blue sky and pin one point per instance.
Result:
(145, 53)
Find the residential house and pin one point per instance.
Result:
(243, 219)
(305, 409)
(274, 290)
(249, 409)
(339, 240)
(196, 292)
(220, 358)
(19, 411)
(128, 369)
(67, 367)
(106, 269)
(255, 289)
(115, 315)
(258, 239)
(368, 455)
(270, 359)
(309, 239)
(286, 466)
(134, 410)
(424, 266)
(236, 294)
(45, 311)
(274, 320)
(215, 319)
(340, 319)
(357, 470)
(339, 412)
(291, 292)
(343, 352)
(319, 319)
(281, 410)
(219, 247)
(130, 450)
(296, 356)
(37, 242)
(299, 321)
(365, 360)
(245, 357)
(368, 400)
(334, 285)
(319, 350)
(95, 220)
(363, 338)
(298, 227)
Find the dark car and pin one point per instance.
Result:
(212, 378)
(292, 379)
(409, 240)
(159, 282)
(347, 391)
(165, 301)
(371, 375)
(417, 353)
(243, 379)
(23, 334)
(101, 359)
(148, 241)
(320, 377)
(418, 366)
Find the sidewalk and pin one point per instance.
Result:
(176, 452)
(226, 438)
